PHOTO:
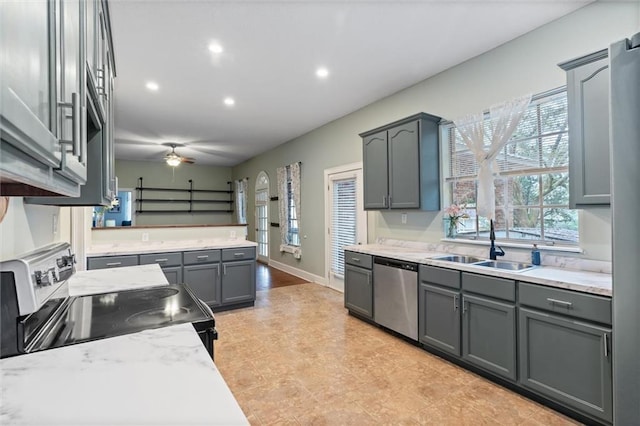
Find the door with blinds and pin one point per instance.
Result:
(347, 220)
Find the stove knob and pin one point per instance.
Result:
(38, 276)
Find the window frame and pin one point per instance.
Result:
(478, 231)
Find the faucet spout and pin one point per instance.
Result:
(493, 252)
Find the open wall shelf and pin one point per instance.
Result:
(149, 204)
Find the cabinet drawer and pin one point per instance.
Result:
(201, 256)
(162, 259)
(440, 276)
(358, 259)
(499, 288)
(567, 302)
(240, 253)
(112, 261)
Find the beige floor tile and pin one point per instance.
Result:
(298, 358)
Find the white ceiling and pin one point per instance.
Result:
(372, 48)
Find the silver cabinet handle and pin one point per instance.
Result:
(355, 259)
(455, 302)
(238, 254)
(218, 271)
(204, 256)
(75, 123)
(606, 345)
(161, 260)
(224, 269)
(464, 306)
(559, 302)
(114, 263)
(384, 201)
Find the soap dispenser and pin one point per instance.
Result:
(535, 255)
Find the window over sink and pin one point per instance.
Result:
(532, 189)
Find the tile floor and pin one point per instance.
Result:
(297, 357)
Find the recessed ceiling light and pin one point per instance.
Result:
(215, 48)
(152, 85)
(322, 72)
(229, 101)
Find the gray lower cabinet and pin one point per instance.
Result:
(588, 109)
(358, 290)
(204, 280)
(112, 261)
(439, 322)
(171, 264)
(238, 282)
(439, 319)
(565, 347)
(489, 323)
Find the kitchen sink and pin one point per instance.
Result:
(504, 264)
(459, 258)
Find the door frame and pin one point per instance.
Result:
(361, 234)
(259, 187)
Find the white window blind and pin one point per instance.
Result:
(343, 222)
(532, 189)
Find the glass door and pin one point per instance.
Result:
(262, 217)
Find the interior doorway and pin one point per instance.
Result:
(262, 216)
(345, 218)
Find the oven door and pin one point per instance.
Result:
(206, 329)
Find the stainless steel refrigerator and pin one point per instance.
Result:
(625, 217)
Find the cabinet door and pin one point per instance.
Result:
(489, 335)
(358, 290)
(71, 90)
(376, 171)
(173, 274)
(204, 280)
(439, 313)
(589, 169)
(238, 281)
(27, 96)
(567, 360)
(404, 166)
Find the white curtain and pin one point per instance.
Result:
(295, 189)
(241, 200)
(282, 204)
(504, 119)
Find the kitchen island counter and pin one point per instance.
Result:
(160, 376)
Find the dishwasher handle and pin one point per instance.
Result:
(399, 264)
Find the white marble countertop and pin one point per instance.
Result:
(553, 276)
(138, 247)
(160, 376)
(116, 279)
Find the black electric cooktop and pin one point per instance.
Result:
(93, 317)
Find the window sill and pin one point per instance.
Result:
(295, 250)
(541, 246)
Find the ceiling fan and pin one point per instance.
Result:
(174, 159)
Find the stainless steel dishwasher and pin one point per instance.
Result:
(395, 295)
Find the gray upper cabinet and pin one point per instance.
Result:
(588, 97)
(401, 164)
(40, 106)
(95, 84)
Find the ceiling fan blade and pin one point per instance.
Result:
(187, 160)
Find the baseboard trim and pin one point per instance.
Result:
(298, 272)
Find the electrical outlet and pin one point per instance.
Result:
(403, 218)
(55, 223)
(145, 236)
(233, 235)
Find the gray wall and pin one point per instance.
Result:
(159, 174)
(527, 64)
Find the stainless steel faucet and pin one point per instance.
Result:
(492, 251)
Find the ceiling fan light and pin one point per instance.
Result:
(173, 161)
